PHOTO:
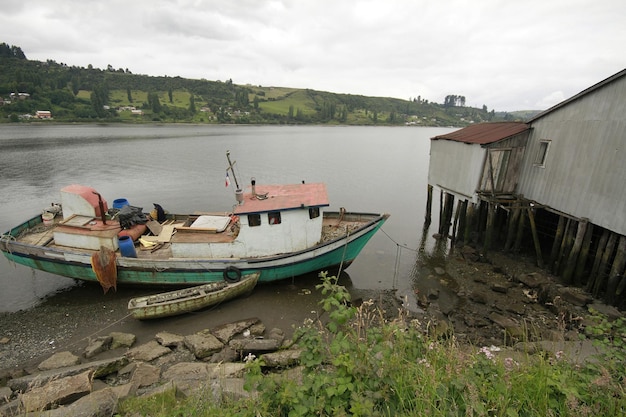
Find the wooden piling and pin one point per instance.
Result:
(514, 214)
(447, 214)
(519, 235)
(606, 256)
(593, 275)
(572, 258)
(533, 230)
(579, 273)
(558, 241)
(457, 214)
(617, 271)
(441, 212)
(470, 218)
(568, 240)
(462, 221)
(429, 205)
(491, 217)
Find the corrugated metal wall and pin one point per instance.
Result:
(584, 174)
(455, 166)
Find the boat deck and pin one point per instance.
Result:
(42, 235)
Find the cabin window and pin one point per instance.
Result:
(273, 217)
(254, 220)
(540, 159)
(314, 212)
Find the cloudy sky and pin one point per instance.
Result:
(506, 54)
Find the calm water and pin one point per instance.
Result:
(373, 169)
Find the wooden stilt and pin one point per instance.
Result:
(606, 255)
(520, 232)
(568, 238)
(514, 214)
(469, 222)
(462, 220)
(441, 212)
(447, 213)
(457, 214)
(558, 241)
(579, 273)
(429, 205)
(593, 276)
(572, 258)
(491, 216)
(617, 271)
(533, 229)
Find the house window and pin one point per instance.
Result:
(314, 212)
(540, 158)
(254, 220)
(273, 217)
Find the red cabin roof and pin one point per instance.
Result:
(283, 197)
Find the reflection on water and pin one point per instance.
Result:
(373, 169)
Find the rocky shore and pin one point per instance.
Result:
(84, 359)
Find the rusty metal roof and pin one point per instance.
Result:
(283, 197)
(485, 133)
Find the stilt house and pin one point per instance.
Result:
(568, 193)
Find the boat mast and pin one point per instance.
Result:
(238, 191)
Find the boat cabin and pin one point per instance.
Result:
(271, 220)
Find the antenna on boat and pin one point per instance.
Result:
(238, 191)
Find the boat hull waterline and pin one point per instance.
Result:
(76, 264)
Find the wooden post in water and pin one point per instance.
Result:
(429, 205)
(533, 229)
(606, 255)
(514, 213)
(572, 258)
(447, 214)
(491, 216)
(584, 255)
(441, 212)
(520, 232)
(469, 221)
(617, 271)
(558, 241)
(457, 214)
(462, 220)
(564, 248)
(593, 275)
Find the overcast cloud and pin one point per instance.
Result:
(508, 55)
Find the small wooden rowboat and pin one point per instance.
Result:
(190, 299)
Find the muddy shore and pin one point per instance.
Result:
(461, 293)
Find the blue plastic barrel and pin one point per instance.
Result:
(118, 203)
(127, 246)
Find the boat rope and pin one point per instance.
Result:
(98, 331)
(399, 248)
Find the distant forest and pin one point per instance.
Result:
(35, 90)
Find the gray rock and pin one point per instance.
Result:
(532, 280)
(58, 391)
(225, 355)
(99, 345)
(610, 312)
(227, 331)
(277, 334)
(99, 368)
(439, 271)
(575, 296)
(170, 339)
(282, 358)
(120, 339)
(148, 351)
(5, 395)
(509, 325)
(145, 375)
(479, 297)
(188, 377)
(97, 404)
(203, 345)
(233, 389)
(254, 345)
(59, 360)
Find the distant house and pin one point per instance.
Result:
(561, 176)
(136, 112)
(43, 114)
(20, 96)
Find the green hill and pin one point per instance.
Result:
(78, 94)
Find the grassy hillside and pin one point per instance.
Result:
(77, 94)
